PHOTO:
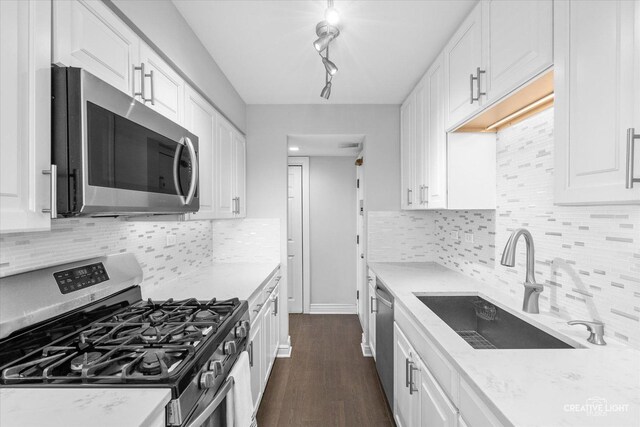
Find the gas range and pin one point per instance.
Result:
(118, 340)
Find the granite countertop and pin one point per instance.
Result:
(24, 407)
(220, 280)
(36, 407)
(524, 387)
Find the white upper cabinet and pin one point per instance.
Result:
(224, 171)
(464, 84)
(435, 194)
(407, 152)
(518, 43)
(597, 86)
(240, 173)
(200, 119)
(25, 115)
(163, 87)
(420, 147)
(87, 34)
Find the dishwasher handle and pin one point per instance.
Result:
(384, 297)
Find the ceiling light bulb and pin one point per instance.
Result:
(326, 91)
(332, 16)
(321, 43)
(329, 66)
(294, 149)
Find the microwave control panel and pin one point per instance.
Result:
(80, 277)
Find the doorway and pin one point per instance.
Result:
(324, 237)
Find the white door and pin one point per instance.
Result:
(596, 85)
(407, 152)
(25, 115)
(361, 273)
(294, 239)
(463, 56)
(164, 88)
(256, 363)
(239, 175)
(436, 192)
(200, 119)
(87, 34)
(435, 408)
(518, 39)
(223, 174)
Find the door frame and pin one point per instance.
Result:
(306, 256)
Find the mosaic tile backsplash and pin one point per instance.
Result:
(399, 236)
(247, 240)
(587, 257)
(74, 239)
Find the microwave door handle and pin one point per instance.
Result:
(194, 171)
(176, 169)
(217, 400)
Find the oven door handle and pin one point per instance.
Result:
(194, 170)
(217, 400)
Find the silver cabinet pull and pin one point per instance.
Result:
(477, 79)
(423, 196)
(409, 191)
(371, 305)
(53, 175)
(631, 137)
(406, 372)
(143, 76)
(153, 98)
(251, 354)
(275, 306)
(412, 368)
(471, 97)
(238, 210)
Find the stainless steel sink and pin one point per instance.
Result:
(483, 325)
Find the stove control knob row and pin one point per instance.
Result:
(241, 330)
(230, 347)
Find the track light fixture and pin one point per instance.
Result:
(327, 31)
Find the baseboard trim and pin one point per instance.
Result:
(284, 350)
(366, 350)
(332, 309)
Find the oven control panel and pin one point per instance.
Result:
(80, 277)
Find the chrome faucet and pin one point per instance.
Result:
(532, 290)
(595, 328)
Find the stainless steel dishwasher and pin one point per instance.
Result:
(384, 339)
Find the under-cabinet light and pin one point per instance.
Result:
(294, 149)
(522, 111)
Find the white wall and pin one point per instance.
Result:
(163, 24)
(267, 130)
(332, 229)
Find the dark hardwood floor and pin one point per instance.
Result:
(326, 382)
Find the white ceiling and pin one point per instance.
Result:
(325, 145)
(265, 46)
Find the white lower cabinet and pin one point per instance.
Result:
(264, 336)
(25, 115)
(419, 396)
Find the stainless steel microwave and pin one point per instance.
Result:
(116, 156)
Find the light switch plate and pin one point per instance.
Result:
(172, 240)
(455, 235)
(468, 237)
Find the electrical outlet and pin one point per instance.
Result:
(171, 240)
(468, 237)
(455, 235)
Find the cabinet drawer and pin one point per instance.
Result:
(474, 410)
(260, 296)
(445, 374)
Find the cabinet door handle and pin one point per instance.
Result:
(409, 191)
(631, 137)
(153, 98)
(373, 299)
(412, 368)
(477, 79)
(53, 186)
(275, 306)
(143, 76)
(238, 205)
(258, 307)
(423, 197)
(471, 97)
(251, 354)
(406, 372)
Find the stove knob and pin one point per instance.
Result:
(207, 379)
(216, 367)
(230, 347)
(240, 331)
